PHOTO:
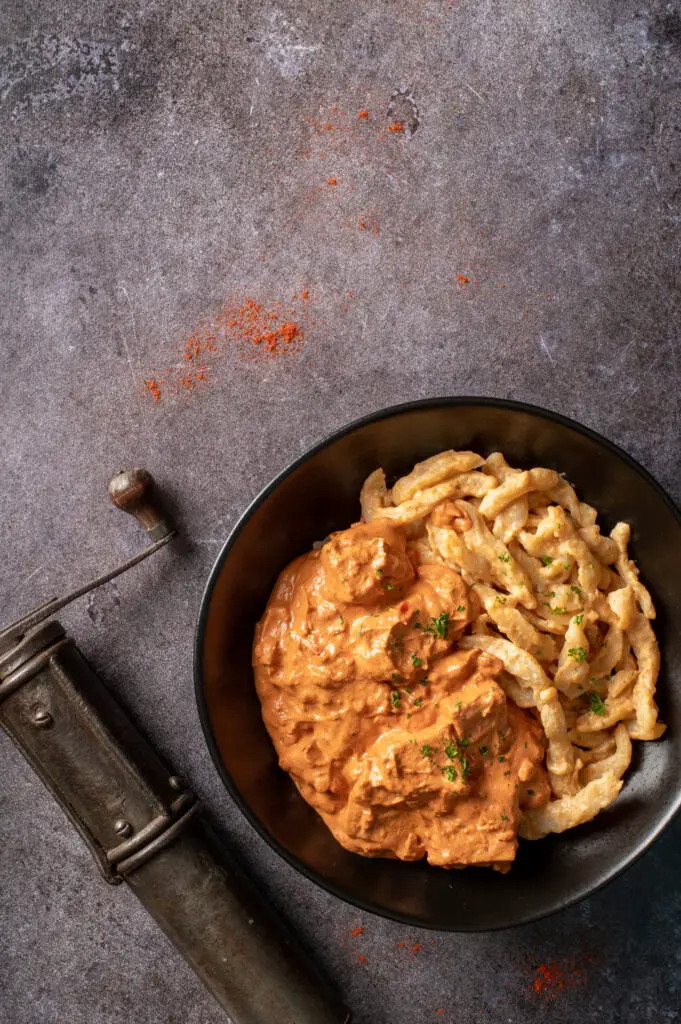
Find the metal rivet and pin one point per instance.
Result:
(175, 782)
(122, 827)
(42, 718)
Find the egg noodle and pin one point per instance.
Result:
(560, 605)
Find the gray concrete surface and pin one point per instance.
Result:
(159, 159)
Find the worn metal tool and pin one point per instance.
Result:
(139, 820)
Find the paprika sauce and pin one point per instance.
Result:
(405, 745)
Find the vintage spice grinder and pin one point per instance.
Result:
(142, 825)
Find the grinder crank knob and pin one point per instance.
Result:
(133, 491)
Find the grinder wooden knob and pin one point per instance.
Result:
(134, 491)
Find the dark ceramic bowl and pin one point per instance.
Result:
(318, 494)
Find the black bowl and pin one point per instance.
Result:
(318, 494)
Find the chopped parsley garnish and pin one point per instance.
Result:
(379, 572)
(596, 703)
(409, 689)
(418, 702)
(483, 750)
(580, 654)
(575, 590)
(502, 734)
(501, 759)
(530, 792)
(396, 677)
(507, 772)
(439, 626)
(567, 566)
(450, 772)
(388, 586)
(461, 608)
(451, 751)
(458, 705)
(559, 610)
(504, 817)
(416, 661)
(395, 698)
(579, 618)
(463, 742)
(504, 558)
(546, 560)
(424, 681)
(551, 593)
(342, 620)
(417, 625)
(426, 750)
(465, 768)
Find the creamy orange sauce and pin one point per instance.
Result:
(406, 746)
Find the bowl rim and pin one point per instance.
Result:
(374, 417)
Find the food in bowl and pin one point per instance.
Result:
(467, 664)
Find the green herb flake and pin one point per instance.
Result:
(507, 772)
(458, 705)
(379, 572)
(396, 677)
(559, 610)
(575, 590)
(461, 608)
(580, 654)
(567, 566)
(409, 689)
(465, 768)
(426, 750)
(483, 750)
(504, 558)
(463, 742)
(388, 586)
(424, 681)
(450, 772)
(504, 817)
(418, 702)
(395, 698)
(546, 560)
(501, 759)
(439, 626)
(579, 618)
(416, 661)
(451, 751)
(596, 704)
(530, 792)
(551, 593)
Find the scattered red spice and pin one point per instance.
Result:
(401, 945)
(440, 1013)
(256, 330)
(551, 978)
(416, 948)
(361, 959)
(369, 223)
(397, 128)
(333, 181)
(356, 931)
(461, 280)
(363, 115)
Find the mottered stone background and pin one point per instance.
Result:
(519, 239)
